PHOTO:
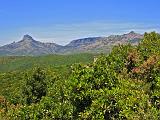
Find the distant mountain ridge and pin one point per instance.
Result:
(103, 44)
(29, 46)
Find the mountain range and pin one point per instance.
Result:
(31, 47)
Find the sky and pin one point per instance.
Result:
(61, 21)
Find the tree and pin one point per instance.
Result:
(88, 80)
(149, 45)
(35, 86)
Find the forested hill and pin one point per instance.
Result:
(123, 85)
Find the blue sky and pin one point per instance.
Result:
(61, 21)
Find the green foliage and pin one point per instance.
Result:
(35, 86)
(58, 62)
(149, 45)
(11, 86)
(118, 58)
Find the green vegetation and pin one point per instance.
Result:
(8, 64)
(13, 70)
(35, 87)
(124, 84)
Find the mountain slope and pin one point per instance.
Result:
(76, 45)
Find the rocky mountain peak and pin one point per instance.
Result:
(132, 32)
(133, 35)
(27, 38)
